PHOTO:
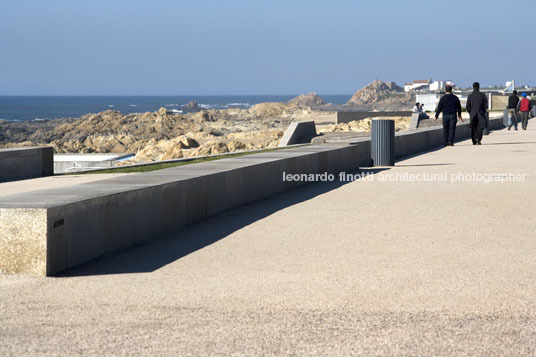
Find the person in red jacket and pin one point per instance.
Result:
(524, 107)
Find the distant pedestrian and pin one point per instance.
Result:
(450, 105)
(524, 107)
(423, 114)
(512, 110)
(477, 106)
(416, 108)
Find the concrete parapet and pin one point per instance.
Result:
(45, 232)
(297, 132)
(26, 162)
(346, 117)
(414, 123)
(411, 142)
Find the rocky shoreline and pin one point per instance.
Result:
(164, 134)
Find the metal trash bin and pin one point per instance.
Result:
(382, 142)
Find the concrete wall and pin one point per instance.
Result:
(414, 123)
(25, 163)
(346, 117)
(429, 100)
(297, 132)
(411, 142)
(75, 224)
(64, 163)
(48, 231)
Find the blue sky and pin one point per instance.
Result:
(119, 47)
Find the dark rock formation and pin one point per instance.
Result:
(307, 100)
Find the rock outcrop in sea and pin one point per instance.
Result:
(372, 93)
(191, 106)
(307, 100)
(379, 95)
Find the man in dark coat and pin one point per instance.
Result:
(512, 111)
(477, 106)
(450, 105)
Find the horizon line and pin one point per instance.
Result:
(164, 95)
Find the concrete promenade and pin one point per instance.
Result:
(43, 183)
(336, 268)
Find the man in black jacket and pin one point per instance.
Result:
(450, 105)
(477, 105)
(512, 110)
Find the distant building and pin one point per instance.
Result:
(417, 85)
(427, 85)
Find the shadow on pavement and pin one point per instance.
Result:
(398, 165)
(156, 254)
(516, 143)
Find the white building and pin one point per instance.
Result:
(427, 85)
(417, 84)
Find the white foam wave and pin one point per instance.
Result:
(238, 104)
(110, 105)
(176, 110)
(132, 105)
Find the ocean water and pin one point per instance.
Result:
(27, 108)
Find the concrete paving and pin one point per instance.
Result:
(367, 267)
(43, 183)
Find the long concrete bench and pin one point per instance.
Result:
(26, 162)
(48, 231)
(346, 117)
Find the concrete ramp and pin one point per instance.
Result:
(298, 133)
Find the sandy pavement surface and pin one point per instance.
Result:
(361, 268)
(43, 183)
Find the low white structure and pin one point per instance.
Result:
(64, 163)
(428, 100)
(427, 85)
(417, 85)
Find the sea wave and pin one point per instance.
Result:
(110, 105)
(209, 106)
(238, 104)
(176, 111)
(132, 105)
